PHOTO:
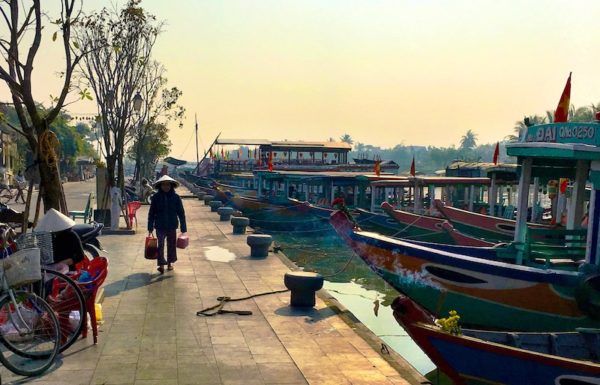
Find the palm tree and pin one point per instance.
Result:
(521, 127)
(468, 140)
(346, 138)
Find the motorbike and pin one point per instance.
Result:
(88, 234)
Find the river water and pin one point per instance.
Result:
(356, 287)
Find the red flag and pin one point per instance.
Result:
(562, 110)
(222, 153)
(377, 168)
(412, 167)
(211, 153)
(496, 153)
(270, 161)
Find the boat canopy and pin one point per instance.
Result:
(431, 181)
(175, 162)
(298, 175)
(561, 150)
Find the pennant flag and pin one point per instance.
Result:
(377, 168)
(496, 153)
(222, 153)
(562, 110)
(239, 153)
(412, 167)
(270, 161)
(211, 153)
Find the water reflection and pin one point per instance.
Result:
(356, 287)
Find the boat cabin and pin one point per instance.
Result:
(319, 188)
(559, 155)
(417, 194)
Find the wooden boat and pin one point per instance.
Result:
(492, 357)
(493, 229)
(463, 239)
(277, 217)
(236, 190)
(486, 285)
(418, 227)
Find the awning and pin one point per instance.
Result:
(175, 162)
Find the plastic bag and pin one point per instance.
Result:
(151, 249)
(183, 241)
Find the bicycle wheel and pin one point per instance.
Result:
(29, 334)
(66, 299)
(5, 195)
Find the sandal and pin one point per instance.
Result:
(161, 269)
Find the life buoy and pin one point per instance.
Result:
(587, 296)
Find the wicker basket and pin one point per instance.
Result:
(22, 267)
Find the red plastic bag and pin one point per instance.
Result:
(183, 241)
(151, 249)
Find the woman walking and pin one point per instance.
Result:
(165, 215)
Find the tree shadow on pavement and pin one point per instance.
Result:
(131, 282)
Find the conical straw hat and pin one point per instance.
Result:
(166, 178)
(54, 221)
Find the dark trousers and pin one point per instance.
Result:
(171, 237)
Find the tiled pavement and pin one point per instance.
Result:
(151, 334)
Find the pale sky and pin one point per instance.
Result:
(385, 72)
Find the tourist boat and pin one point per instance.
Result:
(495, 357)
(411, 210)
(311, 194)
(478, 282)
(268, 215)
(544, 280)
(463, 239)
(493, 229)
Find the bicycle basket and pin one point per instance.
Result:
(22, 267)
(41, 240)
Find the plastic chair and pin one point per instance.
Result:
(97, 268)
(132, 208)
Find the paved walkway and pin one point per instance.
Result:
(151, 334)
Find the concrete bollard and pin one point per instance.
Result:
(225, 213)
(214, 205)
(303, 285)
(259, 245)
(239, 224)
(208, 199)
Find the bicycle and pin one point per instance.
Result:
(60, 291)
(9, 192)
(29, 328)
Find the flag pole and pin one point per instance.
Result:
(197, 153)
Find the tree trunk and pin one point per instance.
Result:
(50, 186)
(120, 172)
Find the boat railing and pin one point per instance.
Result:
(553, 244)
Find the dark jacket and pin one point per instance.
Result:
(165, 210)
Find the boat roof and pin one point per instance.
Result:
(567, 141)
(330, 175)
(174, 161)
(432, 180)
(301, 144)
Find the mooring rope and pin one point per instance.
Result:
(218, 308)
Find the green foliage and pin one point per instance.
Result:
(148, 149)
(346, 138)
(428, 159)
(75, 141)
